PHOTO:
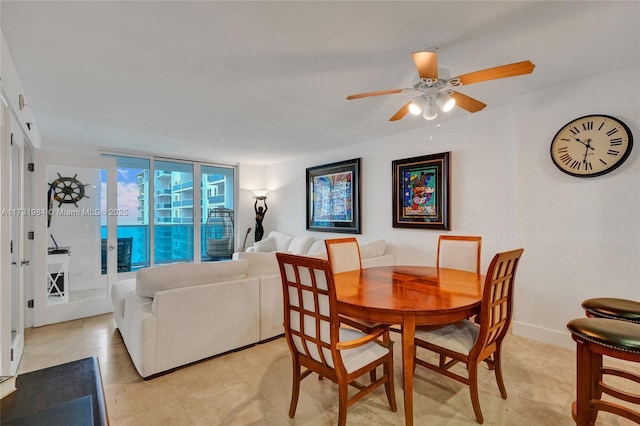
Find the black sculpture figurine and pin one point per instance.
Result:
(260, 212)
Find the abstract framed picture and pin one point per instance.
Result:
(421, 192)
(333, 197)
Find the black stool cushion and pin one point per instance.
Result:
(608, 307)
(611, 333)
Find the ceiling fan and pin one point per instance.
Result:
(434, 93)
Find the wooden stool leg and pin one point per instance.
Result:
(588, 365)
(595, 376)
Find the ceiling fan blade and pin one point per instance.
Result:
(426, 63)
(503, 71)
(467, 102)
(401, 112)
(381, 92)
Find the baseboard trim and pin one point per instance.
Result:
(544, 335)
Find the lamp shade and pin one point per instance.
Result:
(415, 107)
(446, 102)
(260, 194)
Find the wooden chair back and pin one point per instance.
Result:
(497, 300)
(343, 254)
(459, 252)
(310, 307)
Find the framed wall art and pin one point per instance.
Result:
(333, 197)
(421, 192)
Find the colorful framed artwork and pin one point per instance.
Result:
(421, 192)
(333, 197)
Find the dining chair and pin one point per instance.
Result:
(317, 342)
(343, 255)
(459, 252)
(472, 343)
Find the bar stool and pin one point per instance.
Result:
(609, 307)
(596, 337)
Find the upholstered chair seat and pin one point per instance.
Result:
(614, 308)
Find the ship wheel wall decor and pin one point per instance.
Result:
(68, 190)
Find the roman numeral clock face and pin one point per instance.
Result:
(591, 146)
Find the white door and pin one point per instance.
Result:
(75, 241)
(18, 246)
(15, 209)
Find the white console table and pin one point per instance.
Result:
(58, 278)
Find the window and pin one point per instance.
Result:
(158, 198)
(133, 201)
(217, 185)
(173, 223)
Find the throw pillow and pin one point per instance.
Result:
(372, 249)
(300, 244)
(281, 240)
(265, 246)
(317, 247)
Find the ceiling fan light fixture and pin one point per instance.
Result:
(446, 102)
(415, 107)
(430, 111)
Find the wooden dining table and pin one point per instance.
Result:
(409, 296)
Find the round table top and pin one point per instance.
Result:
(424, 291)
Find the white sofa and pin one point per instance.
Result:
(173, 315)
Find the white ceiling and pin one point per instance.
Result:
(262, 82)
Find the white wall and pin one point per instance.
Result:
(483, 152)
(581, 236)
(11, 91)
(251, 177)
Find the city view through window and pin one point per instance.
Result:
(159, 198)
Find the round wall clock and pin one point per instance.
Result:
(591, 145)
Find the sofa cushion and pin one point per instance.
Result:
(372, 249)
(283, 241)
(260, 264)
(317, 247)
(265, 246)
(300, 244)
(158, 278)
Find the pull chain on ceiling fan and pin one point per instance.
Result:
(435, 93)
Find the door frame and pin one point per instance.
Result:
(15, 246)
(45, 313)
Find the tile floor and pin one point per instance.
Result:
(252, 386)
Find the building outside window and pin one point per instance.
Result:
(167, 214)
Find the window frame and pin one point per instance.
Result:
(197, 219)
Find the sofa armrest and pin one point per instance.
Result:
(139, 333)
(119, 292)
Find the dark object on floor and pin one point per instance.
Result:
(66, 394)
